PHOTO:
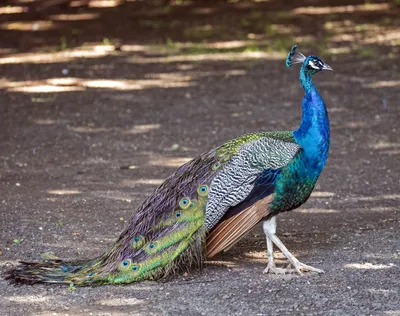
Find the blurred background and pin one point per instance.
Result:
(101, 100)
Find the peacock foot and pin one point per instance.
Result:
(270, 229)
(300, 267)
(271, 268)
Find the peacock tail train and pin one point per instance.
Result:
(166, 234)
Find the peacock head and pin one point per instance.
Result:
(311, 64)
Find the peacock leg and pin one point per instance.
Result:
(269, 227)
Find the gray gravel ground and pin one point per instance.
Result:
(62, 190)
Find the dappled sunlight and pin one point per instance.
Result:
(63, 81)
(13, 10)
(82, 312)
(390, 257)
(349, 26)
(64, 192)
(169, 162)
(203, 10)
(391, 152)
(89, 129)
(375, 198)
(47, 121)
(144, 128)
(133, 183)
(190, 75)
(384, 145)
(356, 124)
(383, 83)
(369, 266)
(33, 26)
(229, 44)
(54, 57)
(137, 84)
(382, 291)
(340, 50)
(392, 37)
(337, 110)
(110, 84)
(133, 48)
(257, 255)
(114, 195)
(46, 89)
(96, 160)
(53, 85)
(104, 3)
(135, 129)
(27, 299)
(227, 263)
(7, 263)
(342, 9)
(123, 84)
(227, 56)
(357, 35)
(383, 209)
(316, 211)
(75, 17)
(321, 194)
(124, 301)
(191, 48)
(261, 256)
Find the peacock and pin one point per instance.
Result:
(211, 202)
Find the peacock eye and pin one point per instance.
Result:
(216, 166)
(202, 190)
(178, 214)
(184, 203)
(134, 268)
(124, 264)
(137, 239)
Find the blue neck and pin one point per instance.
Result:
(306, 79)
(314, 132)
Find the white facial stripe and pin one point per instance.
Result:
(311, 63)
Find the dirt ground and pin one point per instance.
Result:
(86, 90)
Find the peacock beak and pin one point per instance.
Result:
(327, 67)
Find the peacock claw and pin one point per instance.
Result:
(301, 267)
(271, 268)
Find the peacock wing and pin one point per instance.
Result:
(240, 194)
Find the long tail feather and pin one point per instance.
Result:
(165, 235)
(51, 271)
